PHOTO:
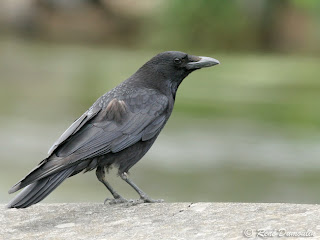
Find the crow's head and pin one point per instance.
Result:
(180, 62)
(173, 66)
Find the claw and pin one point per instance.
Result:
(113, 201)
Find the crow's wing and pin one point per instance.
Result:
(120, 123)
(75, 126)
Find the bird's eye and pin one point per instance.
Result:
(177, 60)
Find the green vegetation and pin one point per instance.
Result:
(237, 26)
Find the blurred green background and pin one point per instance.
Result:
(247, 130)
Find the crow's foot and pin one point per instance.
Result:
(133, 202)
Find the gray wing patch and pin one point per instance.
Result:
(116, 110)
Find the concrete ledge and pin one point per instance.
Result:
(161, 221)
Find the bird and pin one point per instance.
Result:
(116, 131)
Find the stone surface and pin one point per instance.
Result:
(161, 221)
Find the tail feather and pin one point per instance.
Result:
(46, 188)
(44, 169)
(38, 190)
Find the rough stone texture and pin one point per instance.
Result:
(160, 221)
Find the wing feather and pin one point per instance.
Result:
(139, 122)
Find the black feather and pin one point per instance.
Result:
(38, 190)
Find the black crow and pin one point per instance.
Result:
(118, 129)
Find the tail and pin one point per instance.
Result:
(39, 189)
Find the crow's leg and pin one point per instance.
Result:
(143, 196)
(100, 172)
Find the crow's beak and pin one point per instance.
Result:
(202, 62)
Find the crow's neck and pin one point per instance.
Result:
(156, 80)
